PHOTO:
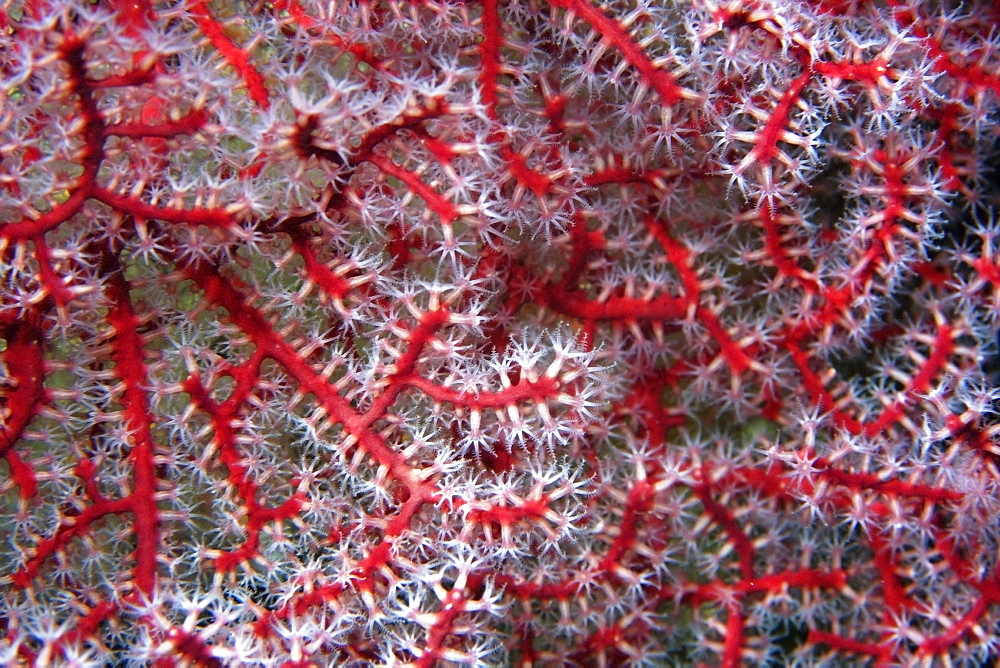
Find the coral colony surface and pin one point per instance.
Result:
(499, 332)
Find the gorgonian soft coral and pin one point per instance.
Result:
(530, 332)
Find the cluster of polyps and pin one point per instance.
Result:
(540, 332)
